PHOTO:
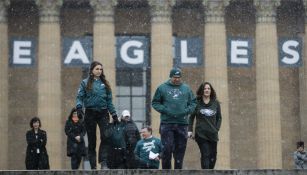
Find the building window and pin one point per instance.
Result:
(133, 93)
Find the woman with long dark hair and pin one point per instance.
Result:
(208, 123)
(95, 96)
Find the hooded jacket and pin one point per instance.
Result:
(72, 130)
(208, 120)
(174, 102)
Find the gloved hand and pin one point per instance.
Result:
(80, 113)
(190, 134)
(115, 119)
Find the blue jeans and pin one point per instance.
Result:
(174, 141)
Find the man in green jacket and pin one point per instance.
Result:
(148, 150)
(174, 100)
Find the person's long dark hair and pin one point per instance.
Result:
(200, 92)
(91, 77)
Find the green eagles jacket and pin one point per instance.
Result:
(98, 98)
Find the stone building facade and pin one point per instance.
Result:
(263, 100)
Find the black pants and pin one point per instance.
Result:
(75, 161)
(117, 158)
(33, 164)
(92, 118)
(146, 166)
(174, 140)
(208, 150)
(131, 162)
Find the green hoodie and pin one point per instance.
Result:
(174, 102)
(208, 120)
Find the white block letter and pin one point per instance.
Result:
(184, 53)
(137, 52)
(22, 48)
(295, 57)
(236, 51)
(76, 52)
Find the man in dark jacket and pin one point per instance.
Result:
(174, 101)
(132, 136)
(116, 137)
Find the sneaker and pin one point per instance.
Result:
(104, 165)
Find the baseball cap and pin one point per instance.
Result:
(125, 113)
(175, 72)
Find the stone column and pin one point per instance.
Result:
(161, 49)
(215, 66)
(4, 85)
(104, 39)
(49, 78)
(267, 83)
(303, 87)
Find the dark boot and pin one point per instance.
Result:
(212, 163)
(92, 160)
(104, 165)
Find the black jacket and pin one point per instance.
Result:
(132, 135)
(72, 130)
(37, 149)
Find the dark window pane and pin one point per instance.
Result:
(129, 77)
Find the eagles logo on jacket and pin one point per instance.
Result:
(209, 119)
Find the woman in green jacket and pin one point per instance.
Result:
(95, 96)
(208, 123)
